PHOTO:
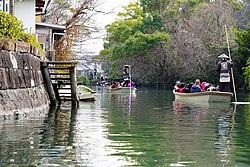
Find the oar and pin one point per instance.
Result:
(232, 72)
(235, 95)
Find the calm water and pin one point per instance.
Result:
(146, 129)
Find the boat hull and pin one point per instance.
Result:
(84, 93)
(123, 90)
(212, 96)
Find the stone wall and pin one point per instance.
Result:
(21, 84)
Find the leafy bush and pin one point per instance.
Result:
(84, 80)
(29, 38)
(11, 28)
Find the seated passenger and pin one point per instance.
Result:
(205, 86)
(187, 88)
(114, 84)
(177, 86)
(196, 86)
(131, 84)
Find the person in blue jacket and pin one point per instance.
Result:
(196, 87)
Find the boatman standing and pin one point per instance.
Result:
(224, 68)
(126, 74)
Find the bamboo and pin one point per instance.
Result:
(235, 94)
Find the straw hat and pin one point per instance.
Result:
(223, 56)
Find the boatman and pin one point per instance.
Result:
(224, 68)
(126, 74)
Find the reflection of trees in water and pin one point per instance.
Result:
(194, 133)
(123, 101)
(196, 112)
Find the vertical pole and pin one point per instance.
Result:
(48, 83)
(130, 79)
(232, 72)
(73, 85)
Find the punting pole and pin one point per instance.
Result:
(235, 96)
(130, 80)
(232, 73)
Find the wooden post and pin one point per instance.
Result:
(55, 87)
(74, 95)
(48, 83)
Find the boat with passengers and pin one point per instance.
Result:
(205, 94)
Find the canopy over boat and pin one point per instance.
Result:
(209, 96)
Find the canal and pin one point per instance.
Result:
(145, 129)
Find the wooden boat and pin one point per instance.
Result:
(208, 96)
(84, 93)
(123, 90)
(126, 78)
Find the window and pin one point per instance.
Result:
(4, 5)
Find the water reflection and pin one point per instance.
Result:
(206, 137)
(149, 129)
(124, 101)
(19, 138)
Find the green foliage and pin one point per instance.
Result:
(153, 6)
(139, 43)
(151, 24)
(134, 34)
(243, 41)
(247, 69)
(143, 35)
(10, 26)
(29, 38)
(84, 80)
(193, 2)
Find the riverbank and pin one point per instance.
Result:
(21, 86)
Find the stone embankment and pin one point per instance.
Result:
(21, 85)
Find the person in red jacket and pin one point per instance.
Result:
(177, 87)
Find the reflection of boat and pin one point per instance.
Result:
(123, 89)
(209, 96)
(203, 132)
(83, 92)
(202, 104)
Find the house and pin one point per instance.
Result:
(47, 34)
(30, 12)
(24, 10)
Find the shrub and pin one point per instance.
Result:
(11, 28)
(29, 38)
(84, 80)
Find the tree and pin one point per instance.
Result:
(135, 39)
(243, 41)
(76, 17)
(197, 29)
(187, 37)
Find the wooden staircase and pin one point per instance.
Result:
(56, 75)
